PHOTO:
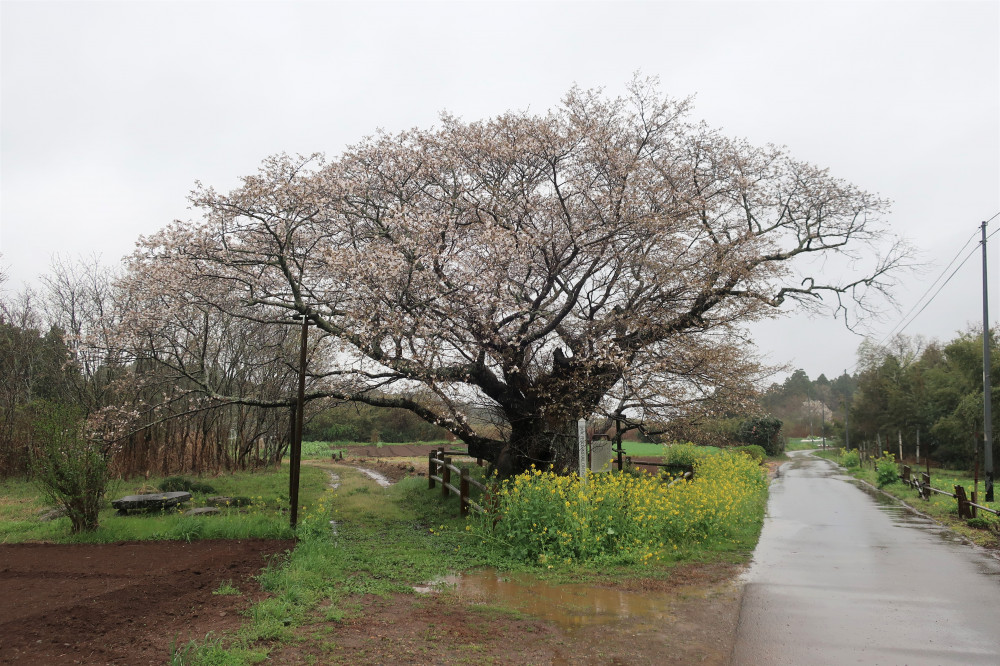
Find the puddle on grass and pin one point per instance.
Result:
(334, 485)
(570, 606)
(380, 479)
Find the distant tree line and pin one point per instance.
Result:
(921, 393)
(358, 422)
(61, 345)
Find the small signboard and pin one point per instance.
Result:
(600, 455)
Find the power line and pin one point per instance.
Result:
(967, 257)
(909, 320)
(929, 288)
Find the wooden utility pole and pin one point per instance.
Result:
(847, 419)
(822, 421)
(987, 393)
(295, 460)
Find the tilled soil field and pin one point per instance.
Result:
(122, 603)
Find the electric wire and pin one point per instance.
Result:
(929, 288)
(914, 318)
(909, 320)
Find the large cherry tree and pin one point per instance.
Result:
(603, 258)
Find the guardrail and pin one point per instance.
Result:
(437, 461)
(966, 507)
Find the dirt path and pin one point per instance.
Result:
(400, 450)
(121, 603)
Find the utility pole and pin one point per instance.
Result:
(847, 418)
(822, 421)
(987, 394)
(295, 460)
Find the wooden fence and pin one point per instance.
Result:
(966, 507)
(439, 470)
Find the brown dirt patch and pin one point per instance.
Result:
(400, 451)
(122, 603)
(448, 628)
(394, 471)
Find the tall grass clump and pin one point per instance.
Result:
(886, 470)
(548, 519)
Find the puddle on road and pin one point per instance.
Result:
(904, 516)
(570, 606)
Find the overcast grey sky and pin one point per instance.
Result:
(111, 110)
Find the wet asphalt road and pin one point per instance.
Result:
(845, 576)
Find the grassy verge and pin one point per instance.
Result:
(265, 518)
(941, 508)
(386, 541)
(382, 542)
(323, 450)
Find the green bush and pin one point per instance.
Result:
(69, 469)
(850, 459)
(764, 431)
(173, 484)
(979, 523)
(887, 472)
(756, 453)
(685, 455)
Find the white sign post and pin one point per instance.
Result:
(581, 435)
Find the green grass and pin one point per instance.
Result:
(652, 450)
(266, 518)
(643, 449)
(324, 450)
(390, 539)
(226, 588)
(942, 508)
(387, 540)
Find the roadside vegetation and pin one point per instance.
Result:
(983, 530)
(259, 510)
(385, 541)
(388, 540)
(622, 518)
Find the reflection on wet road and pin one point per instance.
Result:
(843, 575)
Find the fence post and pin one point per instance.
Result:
(445, 477)
(925, 483)
(431, 469)
(906, 473)
(963, 502)
(463, 495)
